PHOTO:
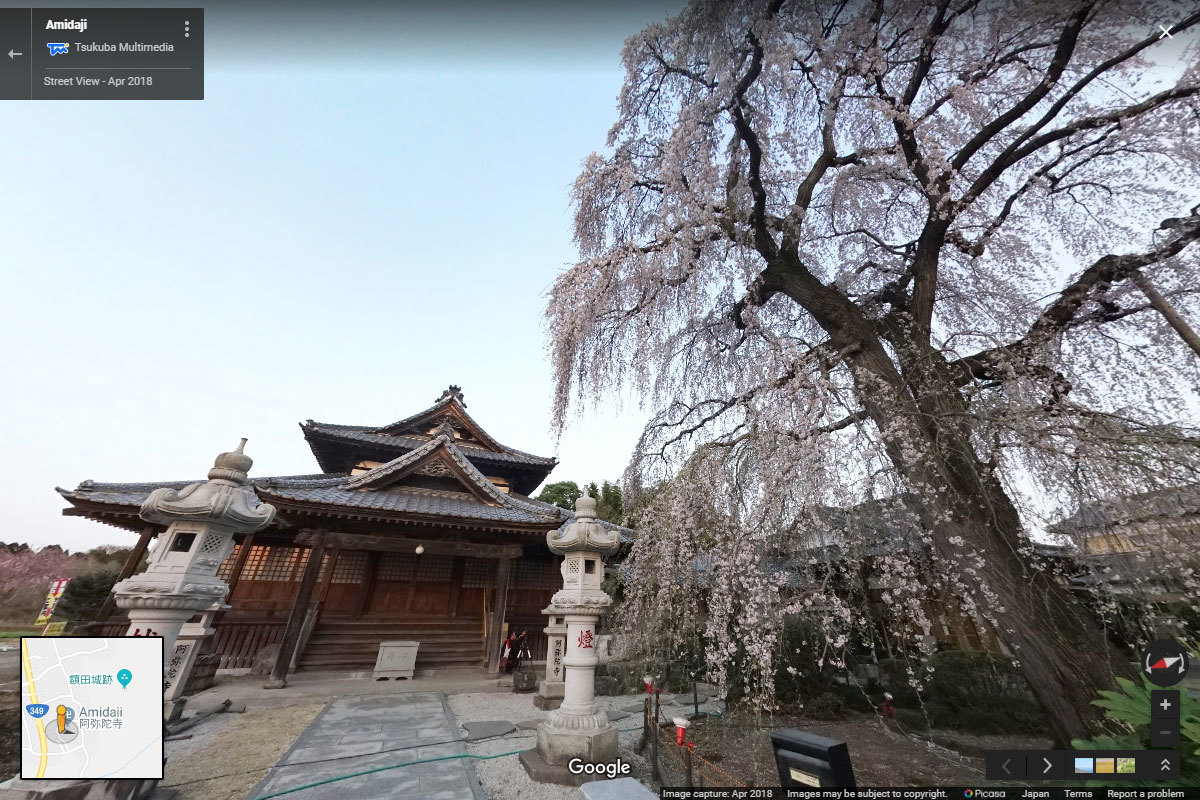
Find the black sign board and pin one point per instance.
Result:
(805, 759)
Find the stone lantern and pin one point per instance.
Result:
(181, 578)
(577, 728)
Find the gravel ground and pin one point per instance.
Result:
(10, 735)
(229, 753)
(881, 755)
(504, 778)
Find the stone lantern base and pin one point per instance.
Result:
(594, 742)
(599, 747)
(596, 745)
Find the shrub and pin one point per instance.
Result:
(980, 692)
(81, 600)
(893, 675)
(825, 706)
(866, 698)
(968, 690)
(911, 718)
(799, 676)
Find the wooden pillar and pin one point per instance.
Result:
(323, 591)
(313, 615)
(127, 569)
(291, 634)
(239, 564)
(492, 646)
(368, 583)
(457, 568)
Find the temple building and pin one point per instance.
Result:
(422, 529)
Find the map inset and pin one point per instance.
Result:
(91, 707)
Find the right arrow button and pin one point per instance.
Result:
(1049, 765)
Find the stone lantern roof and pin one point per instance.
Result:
(226, 499)
(584, 532)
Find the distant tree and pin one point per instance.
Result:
(81, 600)
(109, 554)
(609, 503)
(562, 494)
(25, 575)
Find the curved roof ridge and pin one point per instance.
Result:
(369, 433)
(444, 401)
(395, 465)
(538, 506)
(312, 479)
(309, 423)
(407, 461)
(299, 481)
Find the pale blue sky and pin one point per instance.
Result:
(336, 239)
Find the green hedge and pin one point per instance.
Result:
(979, 692)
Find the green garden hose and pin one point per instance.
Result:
(397, 766)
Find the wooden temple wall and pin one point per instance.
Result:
(379, 586)
(365, 587)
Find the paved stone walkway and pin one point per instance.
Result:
(359, 733)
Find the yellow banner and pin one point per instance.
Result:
(56, 590)
(54, 629)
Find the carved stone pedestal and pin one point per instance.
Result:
(550, 693)
(548, 697)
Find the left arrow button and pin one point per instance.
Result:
(12, 54)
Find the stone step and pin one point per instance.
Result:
(354, 644)
(353, 640)
(333, 661)
(391, 627)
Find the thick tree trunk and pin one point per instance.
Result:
(1062, 650)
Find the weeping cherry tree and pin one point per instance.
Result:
(850, 250)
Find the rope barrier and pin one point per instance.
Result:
(672, 748)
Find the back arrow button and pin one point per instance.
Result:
(11, 54)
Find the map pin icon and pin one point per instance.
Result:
(124, 676)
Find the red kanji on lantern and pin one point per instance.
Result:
(585, 639)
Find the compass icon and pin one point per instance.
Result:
(1165, 662)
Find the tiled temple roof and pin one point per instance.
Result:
(437, 434)
(346, 492)
(407, 433)
(359, 433)
(1176, 501)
